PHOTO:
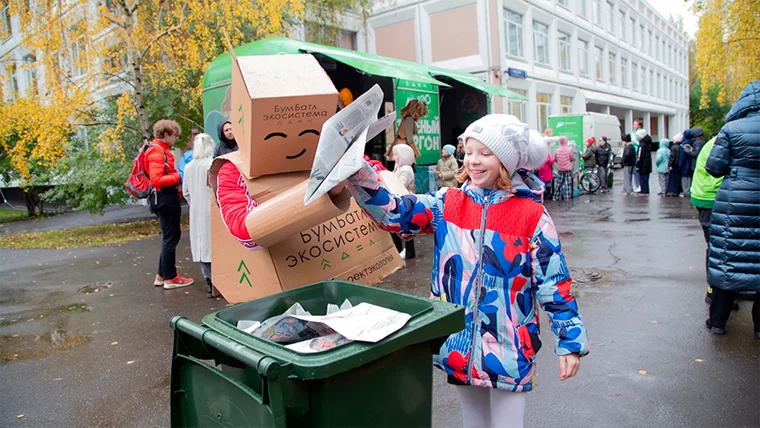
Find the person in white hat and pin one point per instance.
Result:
(497, 253)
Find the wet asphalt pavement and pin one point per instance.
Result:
(85, 340)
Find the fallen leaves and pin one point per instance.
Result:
(114, 343)
(699, 360)
(20, 416)
(643, 372)
(130, 362)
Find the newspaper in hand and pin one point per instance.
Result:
(341, 143)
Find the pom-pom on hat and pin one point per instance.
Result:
(641, 133)
(508, 139)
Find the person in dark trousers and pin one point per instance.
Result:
(674, 174)
(227, 143)
(734, 239)
(644, 162)
(629, 164)
(603, 159)
(166, 183)
(689, 159)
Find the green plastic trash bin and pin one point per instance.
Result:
(222, 376)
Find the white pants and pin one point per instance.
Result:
(491, 408)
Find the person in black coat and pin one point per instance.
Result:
(734, 251)
(644, 162)
(674, 175)
(603, 159)
(629, 163)
(227, 143)
(687, 161)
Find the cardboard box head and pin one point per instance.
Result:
(279, 104)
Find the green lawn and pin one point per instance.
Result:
(12, 215)
(85, 236)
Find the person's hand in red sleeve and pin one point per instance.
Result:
(234, 202)
(376, 165)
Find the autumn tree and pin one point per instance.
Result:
(728, 47)
(114, 67)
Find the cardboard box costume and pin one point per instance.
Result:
(279, 104)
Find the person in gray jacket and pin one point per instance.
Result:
(734, 252)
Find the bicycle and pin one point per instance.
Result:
(589, 180)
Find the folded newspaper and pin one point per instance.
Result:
(340, 150)
(303, 332)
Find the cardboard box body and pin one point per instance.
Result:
(350, 247)
(279, 104)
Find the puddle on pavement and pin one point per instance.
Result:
(29, 346)
(95, 288)
(29, 316)
(633, 220)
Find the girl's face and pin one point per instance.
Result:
(444, 154)
(394, 156)
(482, 166)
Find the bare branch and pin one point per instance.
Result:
(189, 120)
(162, 34)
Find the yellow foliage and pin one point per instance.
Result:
(84, 50)
(728, 46)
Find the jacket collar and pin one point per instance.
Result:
(161, 144)
(524, 185)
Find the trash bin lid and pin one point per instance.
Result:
(203, 396)
(430, 320)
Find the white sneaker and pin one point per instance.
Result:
(403, 254)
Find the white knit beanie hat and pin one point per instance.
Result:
(509, 140)
(641, 133)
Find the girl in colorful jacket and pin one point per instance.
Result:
(496, 253)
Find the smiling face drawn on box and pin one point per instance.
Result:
(288, 145)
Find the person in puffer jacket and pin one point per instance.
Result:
(661, 159)
(735, 222)
(564, 158)
(674, 174)
(498, 254)
(403, 156)
(687, 160)
(447, 168)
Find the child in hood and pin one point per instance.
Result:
(447, 168)
(403, 156)
(662, 158)
(498, 254)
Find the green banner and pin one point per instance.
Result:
(428, 139)
(568, 126)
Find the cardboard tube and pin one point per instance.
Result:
(285, 215)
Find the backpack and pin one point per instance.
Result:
(138, 183)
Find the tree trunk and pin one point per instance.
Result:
(142, 114)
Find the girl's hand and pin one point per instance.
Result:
(337, 190)
(569, 365)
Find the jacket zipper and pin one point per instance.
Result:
(478, 284)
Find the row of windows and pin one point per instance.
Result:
(625, 29)
(519, 109)
(514, 46)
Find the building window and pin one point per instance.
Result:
(348, 40)
(79, 57)
(13, 71)
(660, 94)
(643, 80)
(596, 11)
(642, 45)
(580, 6)
(30, 72)
(563, 3)
(6, 30)
(583, 57)
(621, 25)
(613, 61)
(543, 110)
(518, 108)
(564, 51)
(657, 48)
(513, 31)
(632, 30)
(566, 104)
(610, 16)
(651, 82)
(598, 61)
(651, 44)
(663, 58)
(634, 76)
(541, 42)
(624, 72)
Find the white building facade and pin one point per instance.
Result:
(566, 56)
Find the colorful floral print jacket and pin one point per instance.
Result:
(496, 253)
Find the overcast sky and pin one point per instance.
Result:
(675, 8)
